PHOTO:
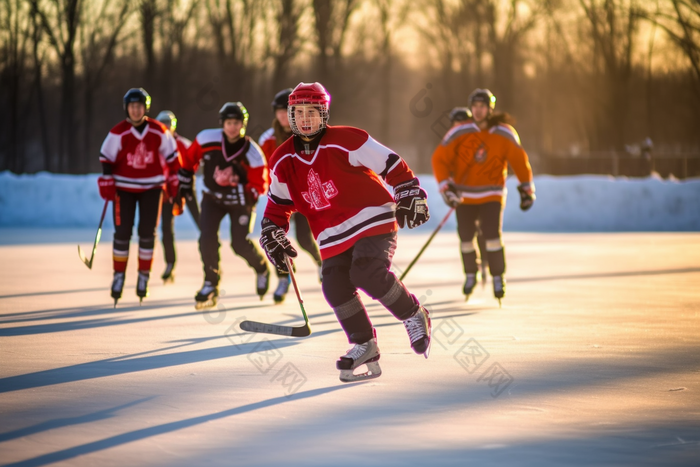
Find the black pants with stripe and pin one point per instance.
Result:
(124, 214)
(490, 217)
(213, 212)
(365, 266)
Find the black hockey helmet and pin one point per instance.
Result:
(137, 95)
(281, 100)
(167, 118)
(482, 95)
(460, 114)
(234, 110)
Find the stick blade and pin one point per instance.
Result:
(265, 328)
(87, 262)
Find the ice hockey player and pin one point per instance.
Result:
(269, 141)
(335, 177)
(235, 174)
(133, 175)
(471, 165)
(460, 116)
(167, 118)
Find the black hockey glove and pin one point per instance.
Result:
(449, 193)
(276, 244)
(411, 204)
(527, 195)
(185, 188)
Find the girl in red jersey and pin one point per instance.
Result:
(335, 177)
(136, 157)
(167, 118)
(269, 140)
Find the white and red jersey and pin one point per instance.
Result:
(339, 188)
(140, 161)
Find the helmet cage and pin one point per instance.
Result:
(315, 95)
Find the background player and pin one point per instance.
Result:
(133, 175)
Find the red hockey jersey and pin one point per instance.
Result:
(140, 161)
(268, 142)
(338, 188)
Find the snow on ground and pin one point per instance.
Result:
(585, 203)
(593, 359)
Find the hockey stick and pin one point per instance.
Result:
(87, 262)
(430, 239)
(293, 331)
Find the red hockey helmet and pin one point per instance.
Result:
(313, 94)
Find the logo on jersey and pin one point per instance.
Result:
(480, 154)
(225, 177)
(141, 157)
(319, 192)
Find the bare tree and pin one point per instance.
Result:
(99, 34)
(61, 23)
(16, 31)
(284, 42)
(331, 20)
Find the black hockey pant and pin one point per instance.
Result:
(490, 217)
(123, 215)
(168, 226)
(365, 266)
(213, 211)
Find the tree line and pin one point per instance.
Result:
(577, 75)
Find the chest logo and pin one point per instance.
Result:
(480, 154)
(225, 177)
(141, 157)
(319, 192)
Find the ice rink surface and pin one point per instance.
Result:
(594, 359)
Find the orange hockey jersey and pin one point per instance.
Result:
(477, 161)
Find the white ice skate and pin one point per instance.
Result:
(419, 331)
(469, 285)
(207, 297)
(262, 282)
(282, 289)
(361, 354)
(499, 288)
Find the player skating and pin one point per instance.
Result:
(132, 158)
(334, 176)
(167, 118)
(235, 174)
(461, 116)
(471, 165)
(269, 141)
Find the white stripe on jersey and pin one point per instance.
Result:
(146, 180)
(255, 156)
(372, 154)
(483, 194)
(267, 134)
(277, 188)
(365, 214)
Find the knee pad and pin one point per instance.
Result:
(494, 244)
(468, 247)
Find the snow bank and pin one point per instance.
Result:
(585, 203)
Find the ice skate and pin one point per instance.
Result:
(499, 288)
(117, 286)
(207, 297)
(282, 289)
(484, 274)
(169, 273)
(262, 282)
(469, 285)
(361, 354)
(142, 285)
(419, 331)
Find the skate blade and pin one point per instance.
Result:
(168, 280)
(373, 371)
(499, 303)
(205, 305)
